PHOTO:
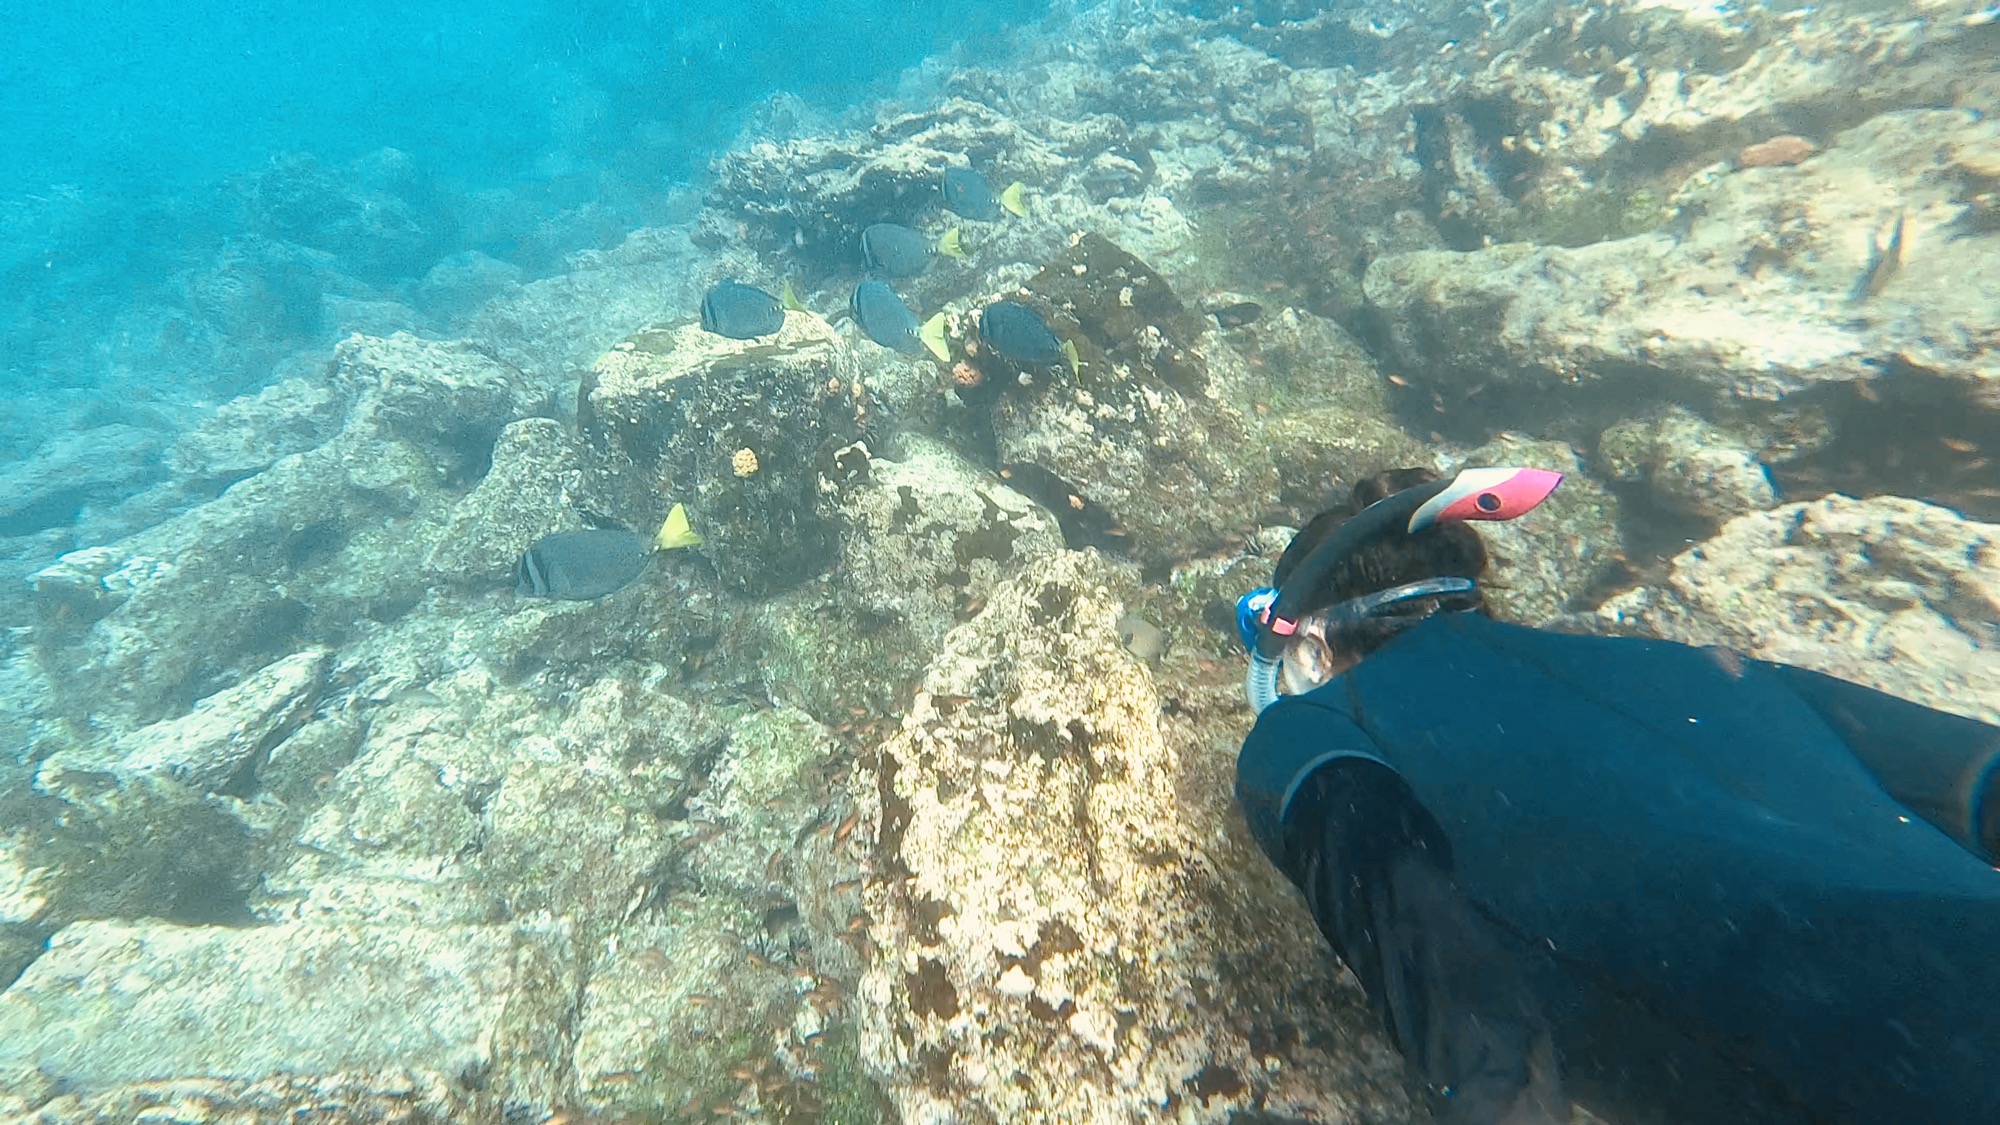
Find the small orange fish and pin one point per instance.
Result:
(846, 828)
(1959, 445)
(1398, 381)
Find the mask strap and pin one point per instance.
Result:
(1355, 610)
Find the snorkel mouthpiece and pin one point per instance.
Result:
(1250, 614)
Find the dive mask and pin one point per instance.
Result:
(1308, 658)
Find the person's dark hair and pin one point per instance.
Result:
(1451, 550)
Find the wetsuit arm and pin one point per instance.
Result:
(1943, 767)
(1450, 986)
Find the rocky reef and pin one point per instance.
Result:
(1063, 893)
(905, 793)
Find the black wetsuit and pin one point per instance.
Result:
(1668, 881)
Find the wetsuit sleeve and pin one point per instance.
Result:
(1943, 767)
(1452, 989)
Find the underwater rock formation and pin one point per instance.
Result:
(303, 725)
(1134, 429)
(814, 195)
(91, 466)
(135, 631)
(533, 488)
(220, 744)
(924, 541)
(1687, 466)
(680, 405)
(929, 535)
(247, 435)
(1778, 280)
(1892, 593)
(614, 903)
(1070, 922)
(1316, 406)
(115, 1005)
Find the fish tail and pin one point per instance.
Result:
(1069, 353)
(789, 298)
(932, 335)
(676, 532)
(1011, 200)
(949, 246)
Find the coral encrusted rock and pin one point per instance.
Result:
(679, 405)
(1070, 923)
(1892, 593)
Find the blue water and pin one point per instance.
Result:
(141, 143)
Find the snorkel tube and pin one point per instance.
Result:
(1269, 619)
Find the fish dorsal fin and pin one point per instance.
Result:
(676, 532)
(789, 298)
(932, 335)
(948, 244)
(1011, 200)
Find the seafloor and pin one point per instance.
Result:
(906, 796)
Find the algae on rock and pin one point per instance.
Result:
(1069, 919)
(1892, 593)
(680, 406)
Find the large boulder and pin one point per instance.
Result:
(740, 431)
(813, 195)
(1070, 922)
(1888, 592)
(1778, 279)
(1136, 429)
(220, 744)
(1687, 466)
(117, 1015)
(46, 489)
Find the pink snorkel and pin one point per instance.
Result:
(1486, 494)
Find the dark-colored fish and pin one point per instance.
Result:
(741, 312)
(894, 251)
(580, 565)
(1237, 315)
(1020, 335)
(890, 323)
(970, 195)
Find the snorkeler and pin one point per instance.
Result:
(1667, 882)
